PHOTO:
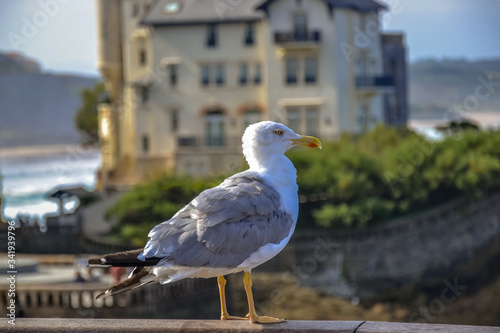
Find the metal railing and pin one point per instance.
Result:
(179, 299)
(297, 37)
(374, 81)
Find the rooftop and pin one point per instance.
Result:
(187, 12)
(357, 5)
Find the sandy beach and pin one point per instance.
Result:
(39, 151)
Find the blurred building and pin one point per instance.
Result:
(186, 77)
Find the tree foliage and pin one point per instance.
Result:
(148, 204)
(86, 115)
(383, 174)
(389, 173)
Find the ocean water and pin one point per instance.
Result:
(27, 178)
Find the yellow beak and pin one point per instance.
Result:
(308, 141)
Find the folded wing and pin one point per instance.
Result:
(223, 226)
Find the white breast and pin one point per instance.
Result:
(285, 183)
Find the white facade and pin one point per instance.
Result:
(184, 103)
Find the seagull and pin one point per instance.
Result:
(233, 227)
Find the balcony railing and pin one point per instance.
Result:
(297, 37)
(374, 81)
(183, 299)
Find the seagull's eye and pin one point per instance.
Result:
(278, 132)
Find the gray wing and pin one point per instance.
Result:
(223, 225)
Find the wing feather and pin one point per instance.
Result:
(222, 226)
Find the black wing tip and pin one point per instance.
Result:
(123, 259)
(101, 295)
(97, 262)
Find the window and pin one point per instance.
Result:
(300, 27)
(172, 75)
(205, 75)
(251, 117)
(145, 144)
(293, 118)
(202, 169)
(312, 120)
(136, 9)
(220, 74)
(311, 70)
(214, 129)
(258, 75)
(174, 121)
(244, 74)
(190, 169)
(362, 65)
(249, 34)
(143, 93)
(142, 57)
(303, 119)
(211, 35)
(142, 52)
(291, 71)
(213, 74)
(365, 119)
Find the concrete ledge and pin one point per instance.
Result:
(31, 325)
(382, 327)
(43, 325)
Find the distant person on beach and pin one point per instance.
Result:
(79, 277)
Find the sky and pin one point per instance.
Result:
(447, 28)
(62, 36)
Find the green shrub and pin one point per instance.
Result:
(389, 173)
(384, 174)
(148, 204)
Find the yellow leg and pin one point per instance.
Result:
(252, 314)
(223, 309)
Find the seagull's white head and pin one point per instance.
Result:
(264, 141)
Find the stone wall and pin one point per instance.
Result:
(421, 250)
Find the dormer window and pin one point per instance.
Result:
(212, 35)
(300, 27)
(249, 34)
